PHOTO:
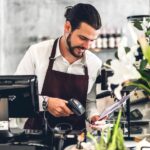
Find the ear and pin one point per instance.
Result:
(67, 27)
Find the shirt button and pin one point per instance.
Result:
(69, 69)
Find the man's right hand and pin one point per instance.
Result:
(58, 108)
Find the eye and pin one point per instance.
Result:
(83, 38)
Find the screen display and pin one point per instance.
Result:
(3, 114)
(3, 109)
(21, 93)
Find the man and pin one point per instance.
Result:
(66, 69)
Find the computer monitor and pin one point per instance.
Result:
(4, 115)
(21, 92)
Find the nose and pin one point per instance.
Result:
(87, 44)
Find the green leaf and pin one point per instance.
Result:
(140, 81)
(137, 24)
(94, 140)
(147, 33)
(145, 87)
(127, 49)
(102, 144)
(113, 145)
(145, 74)
(147, 53)
(109, 135)
(143, 64)
(148, 20)
(120, 140)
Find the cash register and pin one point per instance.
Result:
(19, 98)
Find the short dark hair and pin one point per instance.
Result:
(83, 13)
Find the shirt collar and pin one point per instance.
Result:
(58, 53)
(79, 61)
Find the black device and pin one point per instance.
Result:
(136, 115)
(136, 130)
(105, 73)
(21, 92)
(76, 107)
(16, 147)
(18, 99)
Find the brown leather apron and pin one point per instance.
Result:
(65, 86)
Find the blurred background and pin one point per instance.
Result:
(24, 22)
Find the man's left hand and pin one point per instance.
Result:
(95, 118)
(96, 123)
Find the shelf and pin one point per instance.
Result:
(139, 101)
(138, 135)
(98, 50)
(142, 120)
(135, 122)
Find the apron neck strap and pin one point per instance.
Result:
(85, 70)
(51, 58)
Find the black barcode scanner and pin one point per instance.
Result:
(76, 107)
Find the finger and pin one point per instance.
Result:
(60, 112)
(97, 127)
(104, 118)
(94, 119)
(66, 109)
(103, 122)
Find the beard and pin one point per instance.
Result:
(73, 49)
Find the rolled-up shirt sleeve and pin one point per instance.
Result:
(91, 105)
(94, 69)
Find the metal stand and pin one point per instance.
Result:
(128, 119)
(48, 133)
(127, 91)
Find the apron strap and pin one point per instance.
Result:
(86, 70)
(51, 58)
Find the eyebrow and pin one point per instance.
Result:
(82, 36)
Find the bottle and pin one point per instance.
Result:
(99, 42)
(118, 37)
(112, 38)
(104, 39)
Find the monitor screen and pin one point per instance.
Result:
(3, 114)
(3, 109)
(21, 92)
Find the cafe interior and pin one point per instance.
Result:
(122, 86)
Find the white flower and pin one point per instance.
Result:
(127, 57)
(117, 91)
(135, 33)
(123, 67)
(145, 24)
(123, 71)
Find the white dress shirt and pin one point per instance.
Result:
(36, 61)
